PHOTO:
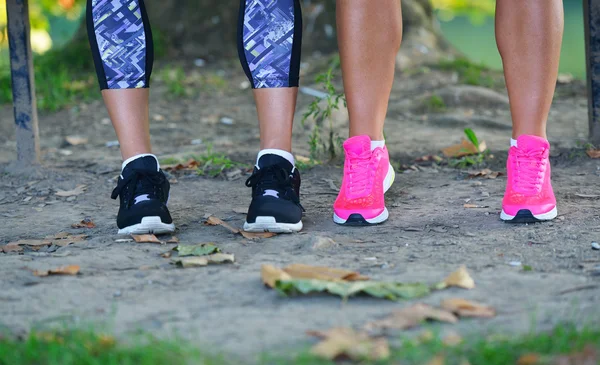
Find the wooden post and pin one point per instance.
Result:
(591, 21)
(23, 84)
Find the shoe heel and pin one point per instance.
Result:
(389, 179)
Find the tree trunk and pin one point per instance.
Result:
(208, 28)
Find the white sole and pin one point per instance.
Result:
(541, 217)
(269, 224)
(149, 225)
(387, 184)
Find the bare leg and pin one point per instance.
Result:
(276, 115)
(369, 38)
(529, 37)
(128, 110)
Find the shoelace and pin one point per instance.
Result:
(528, 171)
(273, 178)
(150, 183)
(358, 171)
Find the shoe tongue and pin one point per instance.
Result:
(146, 163)
(357, 145)
(532, 143)
(272, 160)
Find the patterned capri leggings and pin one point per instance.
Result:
(269, 39)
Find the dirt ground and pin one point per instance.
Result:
(430, 233)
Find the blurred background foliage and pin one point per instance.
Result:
(468, 25)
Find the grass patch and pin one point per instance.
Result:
(83, 348)
(63, 77)
(434, 104)
(469, 73)
(214, 164)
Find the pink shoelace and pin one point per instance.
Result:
(528, 169)
(359, 172)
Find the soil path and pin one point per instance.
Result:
(430, 232)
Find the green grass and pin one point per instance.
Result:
(214, 164)
(469, 73)
(83, 348)
(434, 104)
(63, 77)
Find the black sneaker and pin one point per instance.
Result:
(144, 192)
(275, 203)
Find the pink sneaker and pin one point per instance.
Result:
(367, 176)
(529, 197)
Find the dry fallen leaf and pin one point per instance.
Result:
(79, 189)
(466, 308)
(257, 235)
(173, 239)
(68, 240)
(145, 238)
(189, 165)
(301, 271)
(14, 248)
(528, 359)
(63, 270)
(76, 140)
(465, 148)
(214, 221)
(474, 206)
(460, 278)
(85, 223)
(339, 343)
(412, 316)
(271, 274)
(487, 173)
(30, 243)
(195, 261)
(593, 153)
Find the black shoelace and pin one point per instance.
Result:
(273, 178)
(139, 182)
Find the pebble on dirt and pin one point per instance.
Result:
(595, 246)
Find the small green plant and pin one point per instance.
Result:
(214, 164)
(471, 160)
(174, 78)
(320, 114)
(469, 73)
(435, 104)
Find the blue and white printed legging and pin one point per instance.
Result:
(269, 40)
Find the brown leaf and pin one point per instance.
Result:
(487, 173)
(257, 235)
(474, 206)
(68, 239)
(271, 274)
(191, 164)
(528, 359)
(14, 248)
(145, 238)
(411, 317)
(173, 239)
(340, 343)
(301, 271)
(465, 148)
(460, 278)
(30, 243)
(214, 221)
(79, 189)
(85, 223)
(76, 140)
(63, 270)
(466, 308)
(593, 153)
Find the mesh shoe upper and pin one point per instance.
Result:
(275, 185)
(528, 184)
(143, 191)
(362, 190)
